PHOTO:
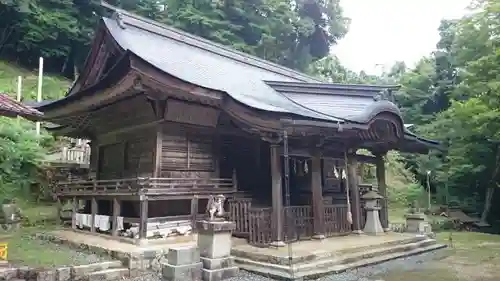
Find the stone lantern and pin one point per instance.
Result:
(372, 207)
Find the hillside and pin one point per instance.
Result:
(54, 87)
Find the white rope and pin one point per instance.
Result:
(349, 212)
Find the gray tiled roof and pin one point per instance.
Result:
(241, 76)
(350, 102)
(200, 63)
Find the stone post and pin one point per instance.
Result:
(372, 225)
(183, 265)
(214, 242)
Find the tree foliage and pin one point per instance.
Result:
(21, 158)
(291, 33)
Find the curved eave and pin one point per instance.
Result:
(120, 70)
(414, 144)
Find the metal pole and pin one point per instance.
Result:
(19, 87)
(19, 92)
(39, 94)
(429, 190)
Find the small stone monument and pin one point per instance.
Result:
(12, 214)
(214, 243)
(372, 207)
(416, 221)
(183, 265)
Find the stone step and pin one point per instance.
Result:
(348, 258)
(337, 263)
(363, 256)
(84, 270)
(8, 273)
(319, 255)
(409, 240)
(110, 274)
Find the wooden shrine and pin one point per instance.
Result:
(174, 119)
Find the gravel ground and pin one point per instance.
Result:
(362, 274)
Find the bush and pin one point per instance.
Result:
(22, 155)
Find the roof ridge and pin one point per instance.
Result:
(246, 58)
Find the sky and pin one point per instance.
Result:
(385, 31)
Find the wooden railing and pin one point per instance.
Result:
(80, 155)
(90, 187)
(239, 213)
(336, 220)
(260, 226)
(298, 223)
(181, 185)
(145, 186)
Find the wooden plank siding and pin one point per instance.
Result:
(187, 154)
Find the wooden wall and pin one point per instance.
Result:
(130, 155)
(188, 153)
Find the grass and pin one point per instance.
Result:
(24, 249)
(474, 257)
(53, 87)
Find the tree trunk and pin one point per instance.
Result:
(491, 188)
(487, 204)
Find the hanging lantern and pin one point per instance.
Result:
(306, 169)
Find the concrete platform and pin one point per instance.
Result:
(134, 257)
(313, 259)
(310, 259)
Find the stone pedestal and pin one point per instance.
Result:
(372, 224)
(417, 223)
(183, 265)
(214, 242)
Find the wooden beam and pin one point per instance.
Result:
(74, 204)
(317, 197)
(277, 198)
(93, 209)
(116, 214)
(327, 154)
(382, 189)
(354, 192)
(143, 216)
(194, 210)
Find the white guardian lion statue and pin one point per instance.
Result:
(215, 206)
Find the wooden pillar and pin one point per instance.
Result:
(116, 213)
(277, 196)
(354, 192)
(93, 210)
(318, 206)
(158, 151)
(194, 211)
(143, 217)
(382, 189)
(74, 203)
(59, 210)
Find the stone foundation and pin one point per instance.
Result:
(214, 242)
(183, 265)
